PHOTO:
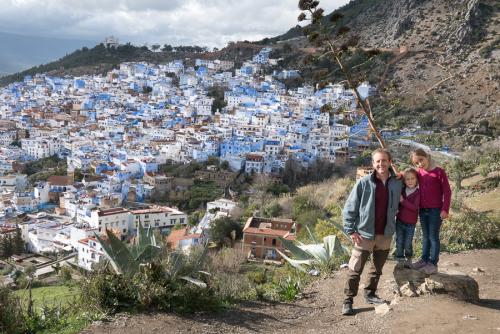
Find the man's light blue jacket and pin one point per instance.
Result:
(359, 209)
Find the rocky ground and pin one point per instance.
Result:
(319, 309)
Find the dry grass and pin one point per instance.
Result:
(325, 194)
(487, 201)
(286, 203)
(227, 260)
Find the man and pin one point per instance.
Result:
(370, 220)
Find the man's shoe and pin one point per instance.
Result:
(347, 309)
(429, 269)
(372, 298)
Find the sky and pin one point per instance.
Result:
(211, 23)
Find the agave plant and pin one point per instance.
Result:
(146, 249)
(127, 260)
(176, 262)
(315, 255)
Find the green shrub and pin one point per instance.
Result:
(65, 274)
(158, 285)
(257, 277)
(470, 230)
(107, 291)
(259, 280)
(6, 270)
(273, 210)
(288, 289)
(10, 313)
(232, 287)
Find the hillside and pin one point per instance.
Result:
(450, 72)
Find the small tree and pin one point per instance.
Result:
(224, 165)
(6, 248)
(18, 242)
(458, 170)
(225, 229)
(30, 270)
(65, 274)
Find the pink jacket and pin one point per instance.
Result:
(408, 208)
(435, 191)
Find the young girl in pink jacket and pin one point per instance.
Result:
(435, 199)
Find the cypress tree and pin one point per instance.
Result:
(18, 244)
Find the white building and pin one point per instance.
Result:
(117, 219)
(90, 252)
(254, 163)
(43, 147)
(160, 217)
(222, 204)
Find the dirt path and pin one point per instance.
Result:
(319, 310)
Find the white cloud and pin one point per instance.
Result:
(201, 22)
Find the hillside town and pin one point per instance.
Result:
(117, 130)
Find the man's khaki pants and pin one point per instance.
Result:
(380, 249)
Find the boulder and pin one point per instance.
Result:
(382, 309)
(408, 290)
(454, 283)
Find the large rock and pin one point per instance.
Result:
(412, 282)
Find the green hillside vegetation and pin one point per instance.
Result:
(100, 59)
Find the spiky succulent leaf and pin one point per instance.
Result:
(198, 262)
(195, 281)
(149, 253)
(311, 235)
(332, 246)
(341, 229)
(108, 251)
(299, 264)
(175, 264)
(120, 257)
(317, 251)
(296, 251)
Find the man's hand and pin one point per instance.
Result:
(356, 238)
(444, 214)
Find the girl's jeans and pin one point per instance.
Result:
(430, 221)
(404, 240)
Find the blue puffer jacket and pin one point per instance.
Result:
(359, 210)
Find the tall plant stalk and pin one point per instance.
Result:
(317, 33)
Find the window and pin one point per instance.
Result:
(181, 220)
(173, 221)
